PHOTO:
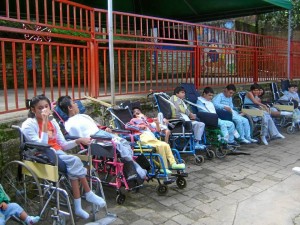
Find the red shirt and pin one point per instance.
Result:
(52, 141)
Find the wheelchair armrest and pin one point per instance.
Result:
(37, 145)
(247, 106)
(100, 138)
(120, 131)
(69, 137)
(284, 102)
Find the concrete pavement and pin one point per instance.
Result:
(256, 189)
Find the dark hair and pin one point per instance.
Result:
(178, 89)
(255, 86)
(63, 103)
(263, 92)
(231, 87)
(292, 85)
(136, 107)
(31, 103)
(208, 90)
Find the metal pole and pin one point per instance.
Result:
(289, 45)
(111, 51)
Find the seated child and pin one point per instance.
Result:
(227, 127)
(38, 128)
(162, 123)
(82, 125)
(181, 108)
(8, 209)
(268, 126)
(145, 129)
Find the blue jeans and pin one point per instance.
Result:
(227, 129)
(13, 209)
(242, 125)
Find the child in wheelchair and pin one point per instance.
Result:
(145, 129)
(181, 110)
(268, 127)
(82, 125)
(9, 209)
(227, 127)
(38, 128)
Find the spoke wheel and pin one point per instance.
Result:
(210, 154)
(199, 159)
(120, 199)
(181, 182)
(290, 129)
(220, 152)
(22, 186)
(162, 189)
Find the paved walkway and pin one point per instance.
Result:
(257, 189)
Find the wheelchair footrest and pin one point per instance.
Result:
(180, 175)
(169, 181)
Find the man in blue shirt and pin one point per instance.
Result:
(224, 101)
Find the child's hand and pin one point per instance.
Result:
(108, 130)
(3, 206)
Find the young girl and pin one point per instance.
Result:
(147, 137)
(268, 126)
(8, 209)
(38, 128)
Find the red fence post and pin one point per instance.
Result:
(255, 66)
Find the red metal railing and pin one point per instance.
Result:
(59, 47)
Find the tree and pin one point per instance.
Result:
(279, 20)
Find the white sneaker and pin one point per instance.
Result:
(279, 135)
(245, 141)
(296, 170)
(252, 140)
(264, 140)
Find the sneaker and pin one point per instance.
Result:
(252, 140)
(244, 141)
(167, 171)
(264, 140)
(199, 146)
(179, 166)
(234, 144)
(279, 135)
(296, 170)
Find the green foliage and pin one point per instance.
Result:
(279, 19)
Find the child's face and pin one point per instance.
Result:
(228, 93)
(181, 94)
(137, 113)
(292, 89)
(208, 96)
(39, 107)
(256, 92)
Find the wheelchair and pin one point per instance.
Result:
(182, 137)
(41, 186)
(107, 162)
(291, 123)
(155, 168)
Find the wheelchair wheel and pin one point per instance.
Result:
(199, 159)
(120, 199)
(162, 189)
(210, 154)
(181, 182)
(22, 186)
(220, 152)
(290, 129)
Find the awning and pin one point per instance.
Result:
(193, 10)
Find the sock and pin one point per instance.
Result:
(285, 113)
(95, 199)
(78, 210)
(32, 219)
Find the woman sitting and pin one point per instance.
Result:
(38, 128)
(268, 126)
